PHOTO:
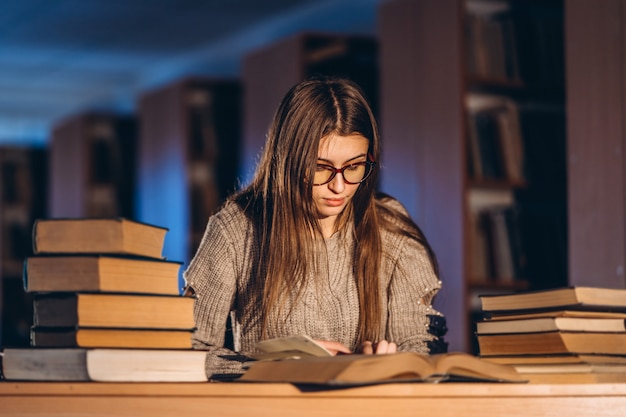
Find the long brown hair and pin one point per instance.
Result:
(279, 200)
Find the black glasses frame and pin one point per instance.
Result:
(334, 171)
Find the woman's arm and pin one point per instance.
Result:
(211, 276)
(411, 290)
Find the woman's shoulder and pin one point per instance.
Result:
(391, 207)
(230, 216)
(397, 226)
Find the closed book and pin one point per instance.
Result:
(546, 324)
(575, 377)
(103, 365)
(90, 273)
(558, 359)
(110, 338)
(98, 235)
(557, 342)
(523, 315)
(370, 369)
(580, 298)
(572, 368)
(108, 310)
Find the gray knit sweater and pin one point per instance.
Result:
(328, 308)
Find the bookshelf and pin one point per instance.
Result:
(92, 166)
(23, 188)
(188, 157)
(473, 117)
(270, 71)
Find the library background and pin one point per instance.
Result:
(502, 135)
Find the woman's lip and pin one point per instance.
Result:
(334, 202)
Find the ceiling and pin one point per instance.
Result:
(59, 57)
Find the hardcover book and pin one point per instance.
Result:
(111, 338)
(140, 311)
(573, 298)
(556, 342)
(98, 235)
(104, 365)
(91, 273)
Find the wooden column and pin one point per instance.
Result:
(596, 109)
(422, 129)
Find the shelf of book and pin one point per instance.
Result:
(23, 191)
(92, 166)
(189, 152)
(480, 130)
(270, 71)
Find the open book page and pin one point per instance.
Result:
(289, 347)
(370, 369)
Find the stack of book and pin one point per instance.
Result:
(107, 306)
(569, 335)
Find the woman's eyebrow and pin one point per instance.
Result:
(345, 162)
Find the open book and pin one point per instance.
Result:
(359, 369)
(289, 347)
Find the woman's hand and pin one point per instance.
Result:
(334, 347)
(380, 348)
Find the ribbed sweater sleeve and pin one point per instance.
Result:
(212, 274)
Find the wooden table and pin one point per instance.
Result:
(275, 400)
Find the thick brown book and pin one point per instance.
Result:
(103, 365)
(91, 235)
(141, 311)
(572, 368)
(558, 359)
(558, 342)
(89, 273)
(372, 369)
(575, 377)
(590, 314)
(110, 338)
(592, 298)
(547, 324)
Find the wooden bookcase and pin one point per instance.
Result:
(23, 188)
(457, 73)
(92, 166)
(188, 157)
(269, 72)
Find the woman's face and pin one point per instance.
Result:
(331, 198)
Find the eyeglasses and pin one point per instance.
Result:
(352, 174)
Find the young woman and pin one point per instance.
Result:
(310, 248)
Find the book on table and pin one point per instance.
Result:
(98, 235)
(573, 372)
(553, 313)
(546, 324)
(357, 369)
(558, 359)
(578, 298)
(572, 368)
(108, 310)
(554, 342)
(103, 365)
(90, 337)
(100, 273)
(575, 377)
